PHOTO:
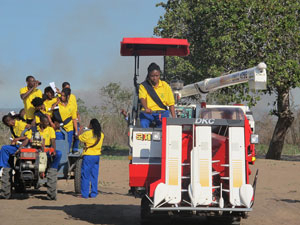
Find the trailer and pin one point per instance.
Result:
(197, 164)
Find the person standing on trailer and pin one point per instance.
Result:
(92, 139)
(40, 110)
(27, 94)
(65, 115)
(155, 95)
(73, 102)
(49, 100)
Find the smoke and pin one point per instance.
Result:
(78, 43)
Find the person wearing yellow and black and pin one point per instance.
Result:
(48, 136)
(92, 139)
(16, 127)
(27, 94)
(155, 95)
(73, 102)
(49, 100)
(66, 115)
(40, 110)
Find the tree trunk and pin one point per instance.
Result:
(285, 120)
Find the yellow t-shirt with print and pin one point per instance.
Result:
(88, 138)
(28, 107)
(66, 112)
(48, 104)
(47, 134)
(19, 127)
(164, 92)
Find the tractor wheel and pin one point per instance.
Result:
(145, 211)
(6, 183)
(51, 184)
(77, 176)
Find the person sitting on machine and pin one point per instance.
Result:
(155, 95)
(48, 136)
(16, 127)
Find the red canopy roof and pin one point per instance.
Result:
(154, 47)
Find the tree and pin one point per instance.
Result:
(116, 97)
(226, 36)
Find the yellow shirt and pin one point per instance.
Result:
(88, 138)
(47, 134)
(163, 91)
(48, 104)
(28, 107)
(37, 118)
(73, 101)
(19, 127)
(66, 112)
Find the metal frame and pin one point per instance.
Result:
(201, 209)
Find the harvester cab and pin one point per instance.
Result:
(197, 163)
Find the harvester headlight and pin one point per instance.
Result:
(156, 136)
(254, 139)
(31, 155)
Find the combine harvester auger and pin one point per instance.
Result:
(198, 163)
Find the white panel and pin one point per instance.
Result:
(200, 189)
(173, 163)
(145, 151)
(236, 163)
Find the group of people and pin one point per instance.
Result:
(53, 110)
(48, 113)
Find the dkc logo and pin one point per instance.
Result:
(205, 121)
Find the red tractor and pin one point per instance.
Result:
(31, 168)
(198, 163)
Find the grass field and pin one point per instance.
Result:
(115, 152)
(121, 152)
(291, 150)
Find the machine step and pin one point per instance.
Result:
(215, 173)
(225, 165)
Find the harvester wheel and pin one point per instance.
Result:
(52, 183)
(77, 176)
(226, 220)
(6, 183)
(235, 221)
(145, 211)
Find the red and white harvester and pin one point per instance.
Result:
(197, 163)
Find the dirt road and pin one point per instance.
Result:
(277, 200)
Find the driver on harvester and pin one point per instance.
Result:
(155, 95)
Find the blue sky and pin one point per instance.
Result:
(71, 40)
(76, 41)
